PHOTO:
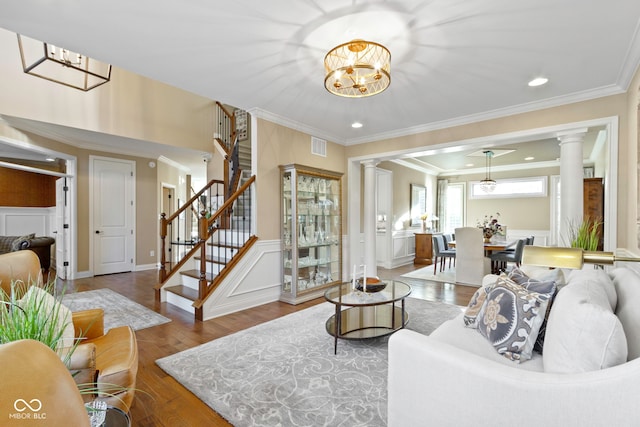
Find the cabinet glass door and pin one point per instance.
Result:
(311, 231)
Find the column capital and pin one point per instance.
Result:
(371, 163)
(574, 135)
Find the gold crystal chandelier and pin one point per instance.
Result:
(62, 66)
(357, 69)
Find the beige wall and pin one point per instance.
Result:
(632, 160)
(522, 213)
(617, 105)
(146, 197)
(129, 105)
(279, 145)
(403, 177)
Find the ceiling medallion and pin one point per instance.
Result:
(357, 69)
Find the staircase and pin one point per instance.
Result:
(193, 267)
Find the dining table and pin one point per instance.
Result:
(490, 247)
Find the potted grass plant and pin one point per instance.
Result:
(31, 312)
(585, 235)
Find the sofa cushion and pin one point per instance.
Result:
(583, 334)
(627, 284)
(511, 317)
(598, 277)
(454, 333)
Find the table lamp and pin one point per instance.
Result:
(573, 258)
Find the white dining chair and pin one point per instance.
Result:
(471, 264)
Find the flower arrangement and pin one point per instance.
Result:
(490, 225)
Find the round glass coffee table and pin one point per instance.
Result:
(362, 315)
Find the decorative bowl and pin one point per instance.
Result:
(373, 284)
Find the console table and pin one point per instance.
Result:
(424, 249)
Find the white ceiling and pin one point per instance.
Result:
(452, 61)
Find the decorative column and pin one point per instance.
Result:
(369, 217)
(571, 181)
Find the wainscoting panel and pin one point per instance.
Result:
(21, 221)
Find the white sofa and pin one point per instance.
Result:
(455, 377)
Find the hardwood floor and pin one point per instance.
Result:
(161, 401)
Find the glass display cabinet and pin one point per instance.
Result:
(311, 232)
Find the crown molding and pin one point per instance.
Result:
(494, 114)
(295, 125)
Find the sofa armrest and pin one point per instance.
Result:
(37, 242)
(88, 324)
(434, 383)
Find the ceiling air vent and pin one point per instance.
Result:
(318, 146)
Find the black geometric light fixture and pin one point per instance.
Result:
(62, 66)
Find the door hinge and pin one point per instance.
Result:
(65, 225)
(66, 263)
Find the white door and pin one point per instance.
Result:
(62, 231)
(113, 215)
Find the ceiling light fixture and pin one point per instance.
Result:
(62, 66)
(488, 184)
(356, 125)
(538, 81)
(357, 69)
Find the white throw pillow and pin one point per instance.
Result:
(582, 332)
(47, 302)
(627, 284)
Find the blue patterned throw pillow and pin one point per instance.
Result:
(511, 317)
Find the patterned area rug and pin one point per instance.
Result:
(284, 372)
(118, 310)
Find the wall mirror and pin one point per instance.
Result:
(418, 202)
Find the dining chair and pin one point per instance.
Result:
(471, 264)
(500, 259)
(441, 252)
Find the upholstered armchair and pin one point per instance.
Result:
(37, 388)
(21, 265)
(115, 361)
(106, 362)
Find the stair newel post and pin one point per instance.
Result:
(163, 235)
(203, 235)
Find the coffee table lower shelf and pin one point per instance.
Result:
(358, 323)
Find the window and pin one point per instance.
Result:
(535, 186)
(454, 208)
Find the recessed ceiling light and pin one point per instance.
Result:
(50, 159)
(356, 125)
(529, 158)
(538, 81)
(469, 165)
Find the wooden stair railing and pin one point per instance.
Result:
(178, 228)
(222, 239)
(225, 246)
